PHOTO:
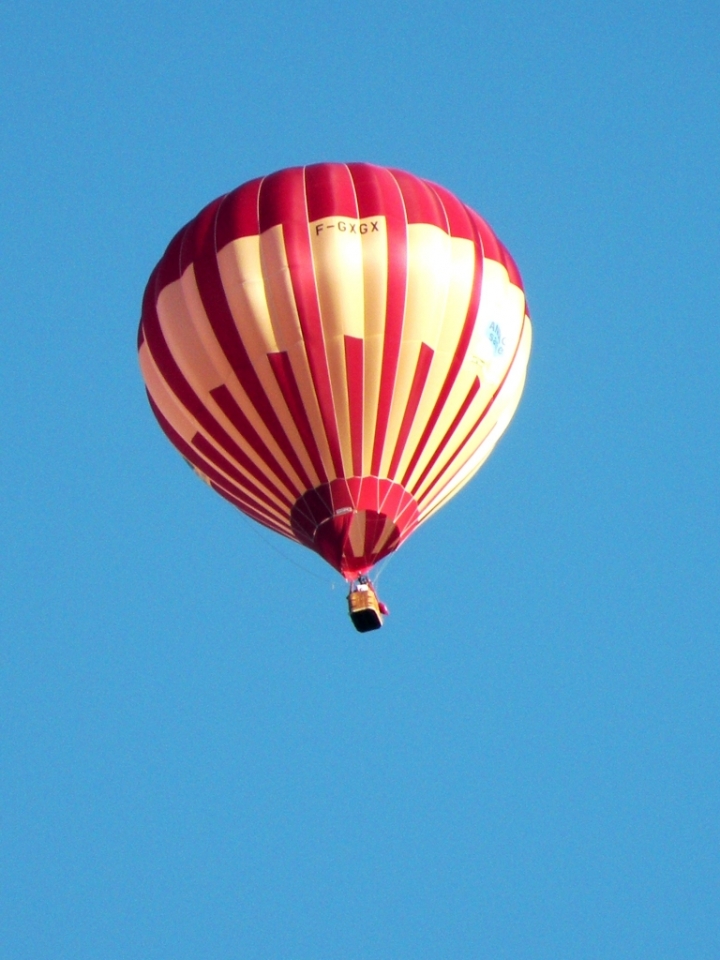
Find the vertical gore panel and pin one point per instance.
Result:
(193, 456)
(330, 191)
(477, 423)
(173, 377)
(510, 266)
(472, 393)
(377, 192)
(168, 270)
(250, 511)
(422, 204)
(225, 400)
(457, 361)
(282, 368)
(421, 372)
(354, 363)
(238, 214)
(490, 246)
(282, 200)
(199, 239)
(202, 444)
(458, 220)
(198, 247)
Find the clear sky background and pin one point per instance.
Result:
(200, 758)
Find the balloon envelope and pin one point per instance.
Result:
(336, 349)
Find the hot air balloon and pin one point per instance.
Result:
(336, 349)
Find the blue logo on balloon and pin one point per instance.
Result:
(494, 335)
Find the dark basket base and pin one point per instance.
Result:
(365, 620)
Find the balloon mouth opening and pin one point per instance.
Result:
(354, 523)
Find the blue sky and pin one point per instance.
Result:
(199, 757)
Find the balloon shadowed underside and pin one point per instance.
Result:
(336, 349)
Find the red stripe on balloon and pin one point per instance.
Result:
(418, 385)
(424, 495)
(374, 526)
(225, 400)
(330, 192)
(340, 495)
(254, 514)
(392, 496)
(422, 204)
(176, 382)
(494, 249)
(198, 248)
(238, 214)
(201, 443)
(407, 510)
(354, 484)
(168, 269)
(378, 194)
(490, 243)
(198, 242)
(510, 266)
(459, 223)
(456, 363)
(472, 393)
(316, 522)
(280, 199)
(354, 365)
(193, 456)
(282, 368)
(283, 194)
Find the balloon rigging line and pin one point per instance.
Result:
(384, 564)
(251, 526)
(277, 550)
(386, 561)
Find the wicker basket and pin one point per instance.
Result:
(364, 610)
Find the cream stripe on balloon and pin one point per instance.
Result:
(182, 421)
(227, 376)
(357, 534)
(337, 254)
(387, 530)
(177, 415)
(244, 286)
(429, 260)
(501, 303)
(462, 269)
(178, 307)
(480, 445)
(288, 334)
(472, 465)
(375, 281)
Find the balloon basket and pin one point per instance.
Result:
(364, 610)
